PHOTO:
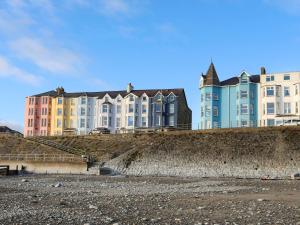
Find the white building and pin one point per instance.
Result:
(280, 98)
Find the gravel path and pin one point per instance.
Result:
(68, 199)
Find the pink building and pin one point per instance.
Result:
(38, 115)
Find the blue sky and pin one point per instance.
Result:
(95, 45)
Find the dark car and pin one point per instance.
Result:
(100, 130)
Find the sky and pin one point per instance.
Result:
(99, 45)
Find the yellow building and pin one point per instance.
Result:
(64, 115)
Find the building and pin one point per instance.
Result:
(120, 111)
(37, 119)
(280, 98)
(7, 130)
(229, 103)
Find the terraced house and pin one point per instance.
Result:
(280, 98)
(229, 103)
(119, 111)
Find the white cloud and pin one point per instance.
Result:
(290, 6)
(11, 125)
(9, 70)
(51, 58)
(113, 7)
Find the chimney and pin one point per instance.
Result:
(60, 90)
(129, 88)
(263, 71)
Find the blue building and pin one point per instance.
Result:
(229, 103)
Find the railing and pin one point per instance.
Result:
(41, 157)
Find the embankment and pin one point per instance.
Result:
(248, 153)
(245, 152)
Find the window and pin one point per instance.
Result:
(130, 121)
(72, 101)
(278, 110)
(104, 108)
(58, 123)
(130, 108)
(287, 108)
(297, 109)
(59, 112)
(296, 89)
(270, 108)
(278, 91)
(208, 96)
(157, 107)
(83, 101)
(131, 98)
(59, 101)
(104, 121)
(109, 121)
(46, 111)
(244, 123)
(119, 100)
(216, 112)
(202, 111)
(264, 109)
(244, 94)
(144, 108)
(270, 91)
(270, 122)
(136, 108)
(215, 96)
(157, 120)
(106, 99)
(118, 122)
(72, 112)
(119, 109)
(144, 99)
(286, 77)
(244, 79)
(251, 109)
(82, 123)
(172, 108)
(136, 122)
(286, 91)
(172, 98)
(82, 111)
(207, 110)
(244, 109)
(144, 121)
(269, 78)
(171, 121)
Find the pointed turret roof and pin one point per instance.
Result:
(211, 77)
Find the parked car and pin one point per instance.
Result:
(100, 130)
(291, 123)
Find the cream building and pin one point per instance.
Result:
(280, 98)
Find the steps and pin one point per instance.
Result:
(68, 149)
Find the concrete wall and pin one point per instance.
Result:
(246, 152)
(47, 167)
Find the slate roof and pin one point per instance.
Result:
(5, 129)
(114, 94)
(211, 77)
(235, 80)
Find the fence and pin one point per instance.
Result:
(41, 158)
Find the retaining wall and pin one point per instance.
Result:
(48, 167)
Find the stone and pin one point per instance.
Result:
(24, 180)
(295, 176)
(58, 185)
(93, 207)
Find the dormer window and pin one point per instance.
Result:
(83, 101)
(172, 98)
(144, 98)
(106, 99)
(131, 98)
(59, 101)
(119, 100)
(244, 80)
